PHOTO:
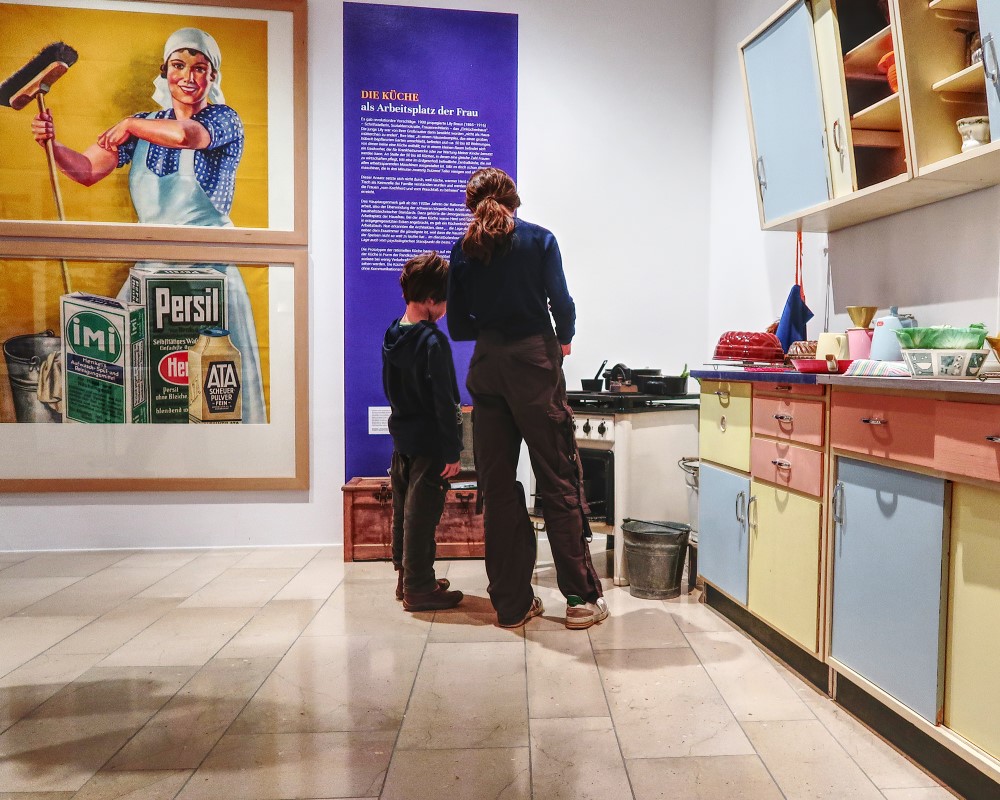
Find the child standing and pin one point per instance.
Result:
(418, 377)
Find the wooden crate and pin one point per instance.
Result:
(368, 522)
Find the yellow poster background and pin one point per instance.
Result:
(120, 53)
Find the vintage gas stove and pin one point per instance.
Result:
(629, 448)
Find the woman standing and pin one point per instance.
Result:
(505, 276)
(183, 170)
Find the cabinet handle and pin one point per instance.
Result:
(780, 463)
(838, 504)
(752, 504)
(761, 175)
(783, 388)
(989, 48)
(722, 395)
(741, 508)
(993, 438)
(874, 421)
(783, 417)
(838, 143)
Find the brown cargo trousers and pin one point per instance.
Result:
(519, 392)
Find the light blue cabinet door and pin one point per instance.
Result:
(989, 29)
(722, 529)
(782, 73)
(887, 581)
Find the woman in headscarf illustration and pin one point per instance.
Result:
(183, 169)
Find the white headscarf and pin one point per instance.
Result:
(191, 39)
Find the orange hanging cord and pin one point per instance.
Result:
(798, 265)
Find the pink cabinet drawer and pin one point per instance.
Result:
(789, 419)
(787, 465)
(898, 428)
(967, 440)
(797, 389)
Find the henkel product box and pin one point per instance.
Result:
(179, 303)
(104, 360)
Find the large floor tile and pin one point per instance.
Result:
(694, 616)
(336, 683)
(664, 704)
(37, 795)
(110, 631)
(577, 759)
(65, 563)
(936, 793)
(185, 636)
(887, 767)
(272, 629)
(474, 620)
(241, 588)
(27, 687)
(468, 695)
(96, 594)
(367, 609)
(26, 637)
(277, 557)
(807, 763)
(563, 680)
(635, 623)
(293, 765)
(18, 593)
(188, 579)
(315, 581)
(167, 560)
(747, 679)
(182, 733)
(702, 778)
(145, 785)
(66, 740)
(490, 774)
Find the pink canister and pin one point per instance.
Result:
(859, 342)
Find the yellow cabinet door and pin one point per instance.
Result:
(972, 691)
(784, 562)
(724, 424)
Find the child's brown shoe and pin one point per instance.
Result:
(437, 600)
(444, 583)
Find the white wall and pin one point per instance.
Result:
(614, 150)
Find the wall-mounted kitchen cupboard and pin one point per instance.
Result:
(883, 146)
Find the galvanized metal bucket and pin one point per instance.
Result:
(654, 556)
(24, 356)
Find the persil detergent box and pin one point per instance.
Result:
(179, 303)
(104, 360)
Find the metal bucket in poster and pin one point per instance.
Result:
(25, 356)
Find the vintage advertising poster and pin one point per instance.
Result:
(153, 113)
(115, 345)
(430, 95)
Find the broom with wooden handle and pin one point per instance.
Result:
(32, 82)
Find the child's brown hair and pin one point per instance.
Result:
(425, 277)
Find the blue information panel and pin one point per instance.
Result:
(430, 95)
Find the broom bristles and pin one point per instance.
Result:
(50, 54)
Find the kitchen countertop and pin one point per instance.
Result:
(976, 387)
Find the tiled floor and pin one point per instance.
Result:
(284, 673)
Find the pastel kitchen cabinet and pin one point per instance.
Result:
(723, 542)
(787, 118)
(888, 610)
(784, 561)
(972, 688)
(724, 424)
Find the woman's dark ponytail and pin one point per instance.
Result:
(492, 197)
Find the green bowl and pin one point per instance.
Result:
(941, 337)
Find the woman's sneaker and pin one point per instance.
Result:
(533, 611)
(580, 615)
